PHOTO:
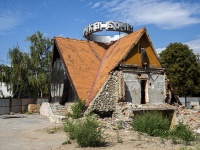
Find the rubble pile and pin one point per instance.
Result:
(125, 110)
(189, 117)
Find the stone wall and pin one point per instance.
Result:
(111, 92)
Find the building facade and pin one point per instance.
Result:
(104, 71)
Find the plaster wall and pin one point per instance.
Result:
(132, 88)
(157, 89)
(5, 91)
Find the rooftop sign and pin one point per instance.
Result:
(108, 26)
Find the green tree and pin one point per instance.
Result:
(40, 60)
(19, 72)
(183, 69)
(30, 72)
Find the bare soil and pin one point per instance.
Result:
(35, 132)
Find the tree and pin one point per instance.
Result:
(30, 72)
(183, 69)
(40, 60)
(19, 72)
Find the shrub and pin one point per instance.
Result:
(70, 128)
(77, 109)
(181, 131)
(152, 123)
(86, 132)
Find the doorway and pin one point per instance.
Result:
(143, 91)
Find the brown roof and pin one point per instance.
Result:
(113, 57)
(89, 63)
(81, 60)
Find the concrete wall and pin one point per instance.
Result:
(132, 88)
(14, 105)
(157, 89)
(189, 100)
(4, 106)
(25, 103)
(41, 100)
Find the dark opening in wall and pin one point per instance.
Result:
(103, 114)
(143, 85)
(144, 57)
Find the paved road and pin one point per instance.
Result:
(29, 133)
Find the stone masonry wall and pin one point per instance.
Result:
(111, 92)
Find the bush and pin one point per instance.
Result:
(77, 109)
(152, 123)
(70, 128)
(86, 132)
(181, 131)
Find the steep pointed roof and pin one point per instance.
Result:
(113, 57)
(88, 64)
(81, 60)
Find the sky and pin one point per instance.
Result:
(166, 21)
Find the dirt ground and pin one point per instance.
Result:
(35, 132)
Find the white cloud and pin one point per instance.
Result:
(164, 14)
(89, 4)
(9, 19)
(158, 50)
(194, 45)
(96, 5)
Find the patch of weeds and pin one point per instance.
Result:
(162, 140)
(119, 138)
(28, 113)
(175, 140)
(68, 141)
(152, 123)
(139, 136)
(54, 129)
(87, 132)
(186, 148)
(70, 128)
(77, 109)
(119, 125)
(182, 132)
